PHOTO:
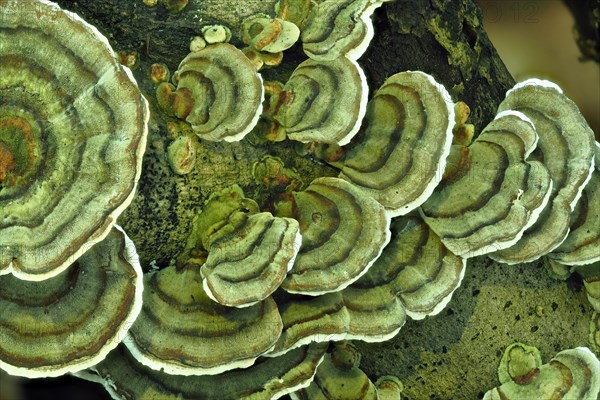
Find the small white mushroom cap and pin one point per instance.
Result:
(71, 321)
(74, 124)
(566, 147)
(216, 33)
(490, 193)
(400, 153)
(323, 101)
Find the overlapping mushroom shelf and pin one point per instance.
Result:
(571, 374)
(254, 296)
(71, 321)
(269, 378)
(72, 136)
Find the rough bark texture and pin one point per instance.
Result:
(454, 355)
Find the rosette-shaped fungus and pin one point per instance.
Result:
(183, 332)
(270, 378)
(343, 233)
(219, 92)
(571, 374)
(322, 101)
(400, 153)
(337, 28)
(71, 321)
(489, 193)
(339, 377)
(73, 128)
(566, 147)
(582, 245)
(269, 34)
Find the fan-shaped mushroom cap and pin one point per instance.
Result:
(323, 101)
(337, 28)
(489, 194)
(71, 321)
(582, 245)
(416, 267)
(415, 275)
(400, 154)
(566, 147)
(269, 34)
(183, 332)
(225, 92)
(518, 360)
(343, 233)
(249, 264)
(339, 377)
(309, 319)
(572, 374)
(73, 128)
(270, 378)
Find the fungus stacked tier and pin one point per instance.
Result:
(255, 295)
(73, 128)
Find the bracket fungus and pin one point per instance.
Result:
(416, 267)
(343, 233)
(339, 377)
(490, 193)
(571, 374)
(72, 122)
(566, 147)
(337, 28)
(71, 321)
(249, 253)
(219, 92)
(183, 332)
(400, 153)
(323, 101)
(271, 35)
(269, 378)
(248, 264)
(415, 275)
(582, 245)
(518, 360)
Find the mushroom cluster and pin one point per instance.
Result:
(73, 128)
(571, 374)
(72, 136)
(263, 284)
